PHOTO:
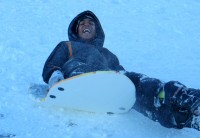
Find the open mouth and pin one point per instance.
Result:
(86, 31)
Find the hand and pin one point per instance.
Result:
(55, 77)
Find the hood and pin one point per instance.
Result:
(72, 30)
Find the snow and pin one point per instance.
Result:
(156, 38)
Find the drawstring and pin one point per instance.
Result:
(69, 45)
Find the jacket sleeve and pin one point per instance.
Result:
(113, 61)
(117, 65)
(56, 60)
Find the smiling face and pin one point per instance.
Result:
(87, 29)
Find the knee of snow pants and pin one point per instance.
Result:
(182, 100)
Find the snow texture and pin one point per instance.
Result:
(158, 38)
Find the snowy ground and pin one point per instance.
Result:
(158, 38)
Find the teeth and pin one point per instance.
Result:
(86, 31)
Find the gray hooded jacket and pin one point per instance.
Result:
(86, 56)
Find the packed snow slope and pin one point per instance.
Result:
(158, 38)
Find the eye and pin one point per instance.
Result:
(91, 23)
(81, 23)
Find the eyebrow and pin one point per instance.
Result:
(87, 18)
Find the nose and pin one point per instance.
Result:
(86, 24)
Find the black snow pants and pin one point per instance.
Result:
(170, 103)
